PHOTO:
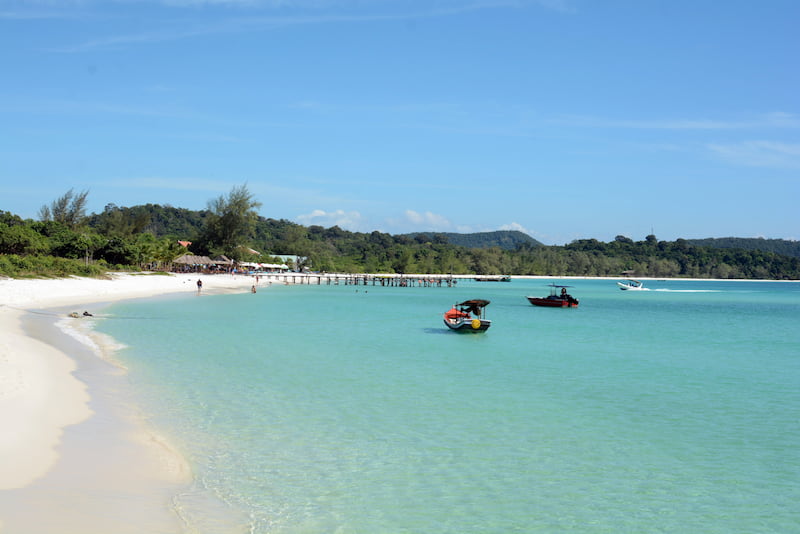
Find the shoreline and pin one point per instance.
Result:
(79, 447)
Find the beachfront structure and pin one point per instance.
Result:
(191, 262)
(264, 267)
(295, 260)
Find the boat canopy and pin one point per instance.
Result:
(473, 305)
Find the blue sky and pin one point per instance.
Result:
(566, 119)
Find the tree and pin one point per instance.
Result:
(21, 239)
(122, 223)
(231, 223)
(68, 209)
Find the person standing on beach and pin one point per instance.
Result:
(199, 285)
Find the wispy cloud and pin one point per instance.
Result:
(313, 12)
(20, 105)
(766, 120)
(38, 13)
(564, 6)
(447, 6)
(25, 15)
(760, 154)
(232, 3)
(151, 37)
(169, 183)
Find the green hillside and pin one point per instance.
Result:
(504, 239)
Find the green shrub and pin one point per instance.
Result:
(15, 266)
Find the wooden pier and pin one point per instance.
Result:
(383, 280)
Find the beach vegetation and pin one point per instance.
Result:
(22, 239)
(44, 266)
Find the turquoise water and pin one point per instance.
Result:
(354, 409)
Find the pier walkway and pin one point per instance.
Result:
(384, 280)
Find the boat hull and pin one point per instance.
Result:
(468, 325)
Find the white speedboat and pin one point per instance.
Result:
(631, 285)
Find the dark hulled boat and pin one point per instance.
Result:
(558, 298)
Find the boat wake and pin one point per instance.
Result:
(687, 290)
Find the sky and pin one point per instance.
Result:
(564, 119)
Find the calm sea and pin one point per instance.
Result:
(310, 409)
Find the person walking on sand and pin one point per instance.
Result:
(199, 285)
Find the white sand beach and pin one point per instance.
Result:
(75, 459)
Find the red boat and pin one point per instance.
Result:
(556, 298)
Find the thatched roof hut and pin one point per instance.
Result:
(190, 259)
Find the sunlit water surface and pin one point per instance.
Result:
(346, 409)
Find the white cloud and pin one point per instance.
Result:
(515, 226)
(414, 221)
(313, 12)
(760, 154)
(343, 219)
(428, 221)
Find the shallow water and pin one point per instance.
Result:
(354, 409)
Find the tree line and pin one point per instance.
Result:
(65, 240)
(778, 246)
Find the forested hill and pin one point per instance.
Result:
(778, 246)
(504, 239)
